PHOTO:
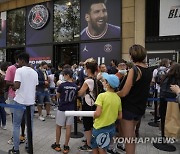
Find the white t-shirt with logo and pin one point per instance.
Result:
(29, 80)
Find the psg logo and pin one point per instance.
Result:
(38, 16)
(108, 48)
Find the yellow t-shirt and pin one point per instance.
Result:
(111, 105)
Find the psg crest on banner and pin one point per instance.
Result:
(38, 16)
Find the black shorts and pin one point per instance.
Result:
(126, 115)
(88, 121)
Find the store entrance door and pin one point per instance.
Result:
(66, 54)
(10, 54)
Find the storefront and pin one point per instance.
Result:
(59, 36)
(162, 30)
(53, 31)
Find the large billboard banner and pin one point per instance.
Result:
(169, 17)
(100, 19)
(103, 52)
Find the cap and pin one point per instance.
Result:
(111, 79)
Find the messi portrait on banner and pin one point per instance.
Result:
(100, 19)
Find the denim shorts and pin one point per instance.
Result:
(42, 97)
(126, 115)
(101, 138)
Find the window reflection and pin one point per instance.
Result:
(66, 20)
(2, 55)
(16, 27)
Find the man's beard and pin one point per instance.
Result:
(99, 28)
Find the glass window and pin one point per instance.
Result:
(66, 20)
(16, 27)
(2, 55)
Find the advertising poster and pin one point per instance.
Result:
(169, 17)
(100, 20)
(103, 52)
(153, 58)
(39, 54)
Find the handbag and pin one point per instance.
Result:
(172, 121)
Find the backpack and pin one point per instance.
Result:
(98, 88)
(161, 73)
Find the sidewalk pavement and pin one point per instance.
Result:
(44, 136)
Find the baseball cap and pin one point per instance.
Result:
(111, 79)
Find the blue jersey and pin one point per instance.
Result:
(68, 93)
(111, 31)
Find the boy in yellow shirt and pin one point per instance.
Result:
(108, 110)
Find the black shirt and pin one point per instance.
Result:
(135, 101)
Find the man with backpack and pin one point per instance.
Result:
(160, 72)
(158, 76)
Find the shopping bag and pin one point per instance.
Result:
(172, 122)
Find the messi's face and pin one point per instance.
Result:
(97, 17)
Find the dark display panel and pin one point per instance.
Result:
(103, 52)
(39, 54)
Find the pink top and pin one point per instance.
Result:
(10, 74)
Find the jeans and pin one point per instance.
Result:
(2, 112)
(17, 118)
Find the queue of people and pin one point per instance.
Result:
(117, 94)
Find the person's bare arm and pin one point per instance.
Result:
(128, 84)
(17, 85)
(83, 89)
(98, 112)
(175, 88)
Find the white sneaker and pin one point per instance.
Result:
(10, 141)
(51, 116)
(4, 127)
(41, 118)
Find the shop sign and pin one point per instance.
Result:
(39, 60)
(38, 16)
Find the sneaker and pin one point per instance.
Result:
(10, 141)
(4, 127)
(121, 147)
(113, 151)
(66, 149)
(41, 118)
(22, 139)
(56, 147)
(85, 148)
(12, 151)
(50, 116)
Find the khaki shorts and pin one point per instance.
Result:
(62, 120)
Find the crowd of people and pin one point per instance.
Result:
(116, 93)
